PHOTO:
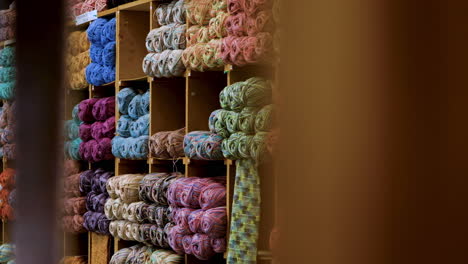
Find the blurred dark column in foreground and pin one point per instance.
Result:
(39, 95)
(374, 151)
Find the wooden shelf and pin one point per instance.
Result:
(140, 5)
(8, 42)
(108, 12)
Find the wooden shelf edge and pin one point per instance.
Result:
(108, 12)
(136, 5)
(8, 42)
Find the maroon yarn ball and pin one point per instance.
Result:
(214, 222)
(174, 191)
(102, 150)
(194, 220)
(201, 247)
(108, 127)
(104, 108)
(85, 132)
(85, 110)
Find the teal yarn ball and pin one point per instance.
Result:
(7, 253)
(7, 90)
(72, 129)
(75, 111)
(72, 148)
(7, 74)
(7, 56)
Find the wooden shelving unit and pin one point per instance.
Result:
(174, 103)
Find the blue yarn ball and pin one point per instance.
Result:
(134, 108)
(140, 127)
(95, 31)
(74, 149)
(95, 53)
(130, 148)
(94, 74)
(145, 102)
(108, 31)
(108, 54)
(124, 97)
(108, 74)
(123, 125)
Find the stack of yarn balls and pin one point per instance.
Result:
(8, 23)
(201, 219)
(74, 260)
(74, 203)
(167, 42)
(145, 254)
(207, 19)
(131, 141)
(245, 120)
(97, 129)
(7, 254)
(101, 34)
(93, 184)
(79, 7)
(139, 207)
(7, 128)
(249, 28)
(167, 144)
(72, 136)
(7, 184)
(7, 73)
(77, 59)
(203, 145)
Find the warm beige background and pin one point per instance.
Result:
(373, 158)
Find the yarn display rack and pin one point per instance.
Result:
(174, 103)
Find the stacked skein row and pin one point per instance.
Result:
(148, 221)
(166, 43)
(249, 28)
(7, 73)
(167, 144)
(72, 136)
(7, 253)
(131, 141)
(97, 129)
(93, 184)
(77, 59)
(145, 254)
(207, 18)
(7, 184)
(79, 7)
(201, 219)
(8, 23)
(7, 128)
(74, 260)
(74, 203)
(101, 34)
(245, 120)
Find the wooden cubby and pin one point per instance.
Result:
(175, 103)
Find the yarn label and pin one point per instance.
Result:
(86, 17)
